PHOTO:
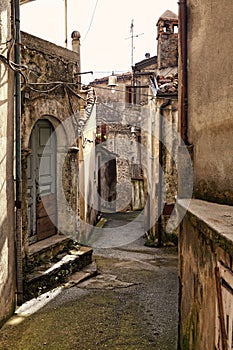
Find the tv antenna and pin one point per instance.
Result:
(132, 39)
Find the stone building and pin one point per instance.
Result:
(159, 133)
(58, 134)
(206, 123)
(118, 134)
(131, 118)
(7, 221)
(56, 191)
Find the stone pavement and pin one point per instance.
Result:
(130, 304)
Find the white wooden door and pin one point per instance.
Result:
(42, 207)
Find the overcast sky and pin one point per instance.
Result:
(104, 26)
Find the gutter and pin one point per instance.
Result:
(18, 188)
(160, 187)
(183, 66)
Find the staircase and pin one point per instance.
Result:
(50, 262)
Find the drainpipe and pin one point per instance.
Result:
(183, 66)
(160, 188)
(19, 265)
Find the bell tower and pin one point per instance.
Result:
(167, 49)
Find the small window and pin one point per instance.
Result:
(166, 29)
(136, 95)
(175, 28)
(132, 95)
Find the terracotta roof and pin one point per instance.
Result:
(167, 85)
(168, 15)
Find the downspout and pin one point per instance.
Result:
(160, 187)
(18, 195)
(183, 67)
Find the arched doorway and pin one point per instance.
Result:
(42, 202)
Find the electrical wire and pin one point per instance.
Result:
(59, 83)
(119, 90)
(44, 91)
(92, 18)
(74, 93)
(15, 67)
(20, 68)
(55, 82)
(124, 112)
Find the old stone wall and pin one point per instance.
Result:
(168, 50)
(51, 93)
(167, 40)
(210, 102)
(7, 227)
(205, 275)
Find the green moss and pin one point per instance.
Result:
(188, 337)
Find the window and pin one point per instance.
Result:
(131, 96)
(166, 28)
(136, 95)
(175, 28)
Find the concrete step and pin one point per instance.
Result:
(48, 271)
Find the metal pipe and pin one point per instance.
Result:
(66, 24)
(18, 194)
(183, 65)
(160, 187)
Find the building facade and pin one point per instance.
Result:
(58, 134)
(160, 137)
(118, 134)
(205, 244)
(58, 191)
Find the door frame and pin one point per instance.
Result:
(33, 185)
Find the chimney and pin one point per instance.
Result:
(75, 36)
(76, 42)
(167, 46)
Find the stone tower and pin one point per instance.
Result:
(167, 50)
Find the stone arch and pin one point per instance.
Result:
(57, 125)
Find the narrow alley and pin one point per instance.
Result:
(131, 303)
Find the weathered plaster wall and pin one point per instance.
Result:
(170, 142)
(7, 229)
(150, 158)
(210, 97)
(205, 246)
(90, 170)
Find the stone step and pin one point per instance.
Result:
(54, 273)
(44, 251)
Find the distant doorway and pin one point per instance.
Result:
(42, 201)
